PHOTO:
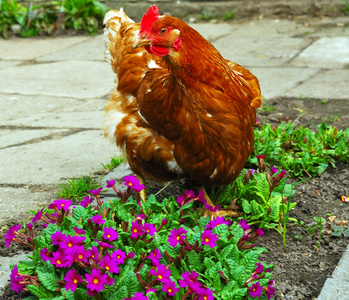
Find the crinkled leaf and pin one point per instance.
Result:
(49, 280)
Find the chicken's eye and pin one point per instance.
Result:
(163, 30)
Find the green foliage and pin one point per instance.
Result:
(114, 162)
(205, 15)
(301, 151)
(227, 268)
(228, 16)
(76, 188)
(346, 7)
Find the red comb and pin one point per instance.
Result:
(149, 17)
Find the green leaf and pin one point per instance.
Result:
(174, 272)
(131, 283)
(40, 291)
(49, 280)
(263, 186)
(121, 293)
(250, 260)
(81, 294)
(246, 206)
(194, 261)
(79, 213)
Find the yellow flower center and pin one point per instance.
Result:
(93, 256)
(205, 298)
(62, 205)
(75, 281)
(58, 262)
(95, 281)
(80, 256)
(135, 230)
(159, 276)
(169, 290)
(108, 235)
(107, 268)
(118, 256)
(178, 238)
(207, 240)
(70, 245)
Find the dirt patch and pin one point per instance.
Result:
(301, 272)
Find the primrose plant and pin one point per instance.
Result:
(127, 248)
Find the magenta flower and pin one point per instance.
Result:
(119, 256)
(243, 224)
(259, 268)
(212, 208)
(11, 234)
(72, 279)
(183, 199)
(97, 219)
(205, 294)
(38, 216)
(110, 234)
(132, 182)
(162, 274)
(255, 290)
(282, 174)
(139, 296)
(149, 228)
(169, 287)
(58, 237)
(270, 291)
(110, 183)
(104, 245)
(87, 201)
(190, 280)
(68, 243)
(96, 280)
(274, 170)
(45, 254)
(82, 254)
(79, 230)
(108, 264)
(96, 192)
(60, 204)
(16, 280)
(176, 236)
(150, 290)
(136, 229)
(130, 255)
(259, 157)
(218, 221)
(94, 253)
(259, 232)
(59, 259)
(209, 238)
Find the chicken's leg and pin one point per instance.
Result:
(142, 192)
(230, 211)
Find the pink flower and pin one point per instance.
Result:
(119, 256)
(205, 294)
(259, 232)
(96, 192)
(218, 221)
(261, 156)
(183, 199)
(110, 265)
(209, 238)
(132, 182)
(176, 236)
(87, 201)
(162, 274)
(139, 296)
(136, 229)
(259, 268)
(45, 254)
(169, 287)
(270, 291)
(97, 219)
(149, 228)
(96, 280)
(255, 290)
(38, 216)
(58, 237)
(243, 224)
(16, 280)
(60, 204)
(78, 230)
(110, 183)
(190, 280)
(59, 259)
(11, 234)
(109, 233)
(72, 279)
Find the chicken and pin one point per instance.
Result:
(180, 109)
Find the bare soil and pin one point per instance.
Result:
(301, 272)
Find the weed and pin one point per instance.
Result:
(267, 108)
(76, 188)
(346, 8)
(206, 16)
(228, 16)
(324, 101)
(114, 162)
(332, 118)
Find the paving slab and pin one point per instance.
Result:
(7, 64)
(275, 82)
(327, 52)
(60, 158)
(10, 137)
(31, 48)
(74, 79)
(327, 84)
(91, 49)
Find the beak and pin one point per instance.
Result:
(140, 42)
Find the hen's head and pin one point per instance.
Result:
(157, 34)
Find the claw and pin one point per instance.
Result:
(142, 193)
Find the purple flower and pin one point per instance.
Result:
(139, 296)
(259, 157)
(190, 280)
(162, 274)
(79, 230)
(81, 254)
(282, 174)
(110, 234)
(183, 199)
(110, 183)
(212, 208)
(97, 219)
(155, 256)
(16, 280)
(274, 170)
(270, 291)
(38, 216)
(136, 229)
(255, 290)
(108, 264)
(151, 290)
(176, 236)
(96, 192)
(11, 234)
(94, 253)
(169, 287)
(209, 238)
(72, 279)
(164, 222)
(59, 259)
(58, 237)
(205, 294)
(119, 256)
(45, 254)
(259, 232)
(218, 221)
(132, 182)
(103, 245)
(259, 268)
(87, 201)
(60, 204)
(149, 228)
(130, 255)
(243, 224)
(96, 280)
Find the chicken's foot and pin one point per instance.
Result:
(142, 193)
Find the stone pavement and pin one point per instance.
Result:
(53, 92)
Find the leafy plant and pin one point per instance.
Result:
(11, 13)
(300, 150)
(114, 162)
(228, 16)
(346, 7)
(124, 249)
(338, 231)
(206, 16)
(76, 188)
